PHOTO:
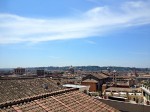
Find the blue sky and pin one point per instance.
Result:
(74, 32)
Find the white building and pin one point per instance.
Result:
(146, 94)
(81, 88)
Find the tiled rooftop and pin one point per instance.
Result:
(100, 75)
(66, 100)
(14, 89)
(97, 75)
(90, 80)
(117, 89)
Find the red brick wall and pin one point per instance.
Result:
(92, 85)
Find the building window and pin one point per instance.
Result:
(90, 77)
(97, 86)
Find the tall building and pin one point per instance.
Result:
(71, 70)
(114, 77)
(19, 71)
(40, 72)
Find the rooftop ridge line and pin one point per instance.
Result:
(32, 98)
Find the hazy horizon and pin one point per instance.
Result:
(74, 66)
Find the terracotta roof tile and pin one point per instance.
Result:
(67, 100)
(22, 88)
(100, 75)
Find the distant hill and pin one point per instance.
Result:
(85, 68)
(93, 68)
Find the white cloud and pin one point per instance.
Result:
(96, 21)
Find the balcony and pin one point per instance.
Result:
(146, 89)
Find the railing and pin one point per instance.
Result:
(146, 88)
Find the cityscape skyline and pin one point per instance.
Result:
(79, 33)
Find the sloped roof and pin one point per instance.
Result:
(90, 80)
(13, 89)
(67, 100)
(100, 75)
(117, 89)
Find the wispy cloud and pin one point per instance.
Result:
(94, 1)
(96, 21)
(140, 53)
(90, 42)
